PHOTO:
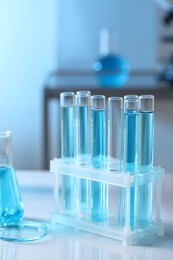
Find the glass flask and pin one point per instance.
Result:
(12, 226)
(111, 69)
(11, 205)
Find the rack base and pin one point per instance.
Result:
(127, 236)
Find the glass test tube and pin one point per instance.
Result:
(130, 134)
(83, 106)
(11, 205)
(145, 157)
(130, 156)
(98, 190)
(115, 134)
(68, 148)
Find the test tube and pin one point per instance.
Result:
(145, 159)
(130, 134)
(98, 198)
(83, 106)
(115, 134)
(130, 156)
(68, 148)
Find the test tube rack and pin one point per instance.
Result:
(114, 180)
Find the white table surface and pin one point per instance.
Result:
(37, 194)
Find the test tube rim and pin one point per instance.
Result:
(64, 95)
(97, 97)
(83, 94)
(144, 98)
(134, 101)
(115, 98)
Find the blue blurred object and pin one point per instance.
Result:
(111, 69)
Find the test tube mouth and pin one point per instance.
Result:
(131, 104)
(98, 102)
(146, 103)
(83, 98)
(130, 97)
(83, 93)
(114, 102)
(67, 99)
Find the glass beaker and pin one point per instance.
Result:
(11, 205)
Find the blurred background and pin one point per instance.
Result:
(37, 37)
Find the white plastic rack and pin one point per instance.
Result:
(114, 181)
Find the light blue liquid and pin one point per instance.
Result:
(11, 206)
(83, 154)
(98, 190)
(112, 70)
(130, 142)
(130, 164)
(97, 138)
(146, 145)
(83, 122)
(68, 152)
(146, 140)
(68, 133)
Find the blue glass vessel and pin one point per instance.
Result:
(83, 142)
(97, 138)
(111, 69)
(12, 226)
(145, 159)
(68, 133)
(130, 141)
(11, 205)
(130, 157)
(68, 149)
(98, 189)
(11, 210)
